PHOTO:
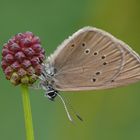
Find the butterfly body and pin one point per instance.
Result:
(46, 82)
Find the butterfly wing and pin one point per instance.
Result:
(93, 59)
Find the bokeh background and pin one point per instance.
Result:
(108, 114)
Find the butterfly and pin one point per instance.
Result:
(90, 59)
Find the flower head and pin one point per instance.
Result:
(22, 57)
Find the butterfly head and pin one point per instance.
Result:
(51, 93)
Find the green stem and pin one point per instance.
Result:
(27, 113)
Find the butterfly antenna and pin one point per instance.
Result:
(77, 115)
(65, 107)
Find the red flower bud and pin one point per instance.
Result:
(4, 64)
(37, 47)
(15, 47)
(15, 65)
(26, 63)
(29, 52)
(22, 57)
(9, 58)
(5, 51)
(35, 61)
(8, 71)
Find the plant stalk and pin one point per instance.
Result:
(27, 113)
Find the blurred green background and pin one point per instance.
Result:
(108, 114)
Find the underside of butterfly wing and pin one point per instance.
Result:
(130, 72)
(93, 59)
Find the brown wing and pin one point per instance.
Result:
(93, 59)
(130, 72)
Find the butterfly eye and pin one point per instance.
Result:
(87, 51)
